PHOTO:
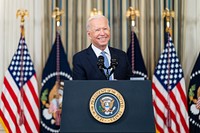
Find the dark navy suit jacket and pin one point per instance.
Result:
(85, 65)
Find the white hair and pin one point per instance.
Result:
(88, 26)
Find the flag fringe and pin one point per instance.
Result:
(3, 125)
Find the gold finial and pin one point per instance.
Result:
(166, 13)
(22, 13)
(57, 14)
(95, 12)
(132, 13)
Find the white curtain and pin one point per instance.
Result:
(36, 31)
(191, 47)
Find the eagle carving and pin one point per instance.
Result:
(107, 105)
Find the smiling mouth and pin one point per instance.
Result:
(102, 38)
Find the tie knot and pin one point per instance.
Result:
(103, 53)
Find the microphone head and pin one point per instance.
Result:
(101, 59)
(114, 63)
(100, 62)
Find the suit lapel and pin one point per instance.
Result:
(113, 55)
(91, 56)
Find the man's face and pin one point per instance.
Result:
(99, 32)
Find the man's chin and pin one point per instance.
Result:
(103, 43)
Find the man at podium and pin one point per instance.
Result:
(104, 106)
(100, 61)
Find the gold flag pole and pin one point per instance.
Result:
(132, 14)
(22, 13)
(55, 90)
(57, 15)
(168, 14)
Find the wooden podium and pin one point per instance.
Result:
(138, 113)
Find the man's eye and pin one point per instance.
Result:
(97, 30)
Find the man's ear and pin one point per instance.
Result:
(88, 33)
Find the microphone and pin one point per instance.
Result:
(100, 63)
(113, 65)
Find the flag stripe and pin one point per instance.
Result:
(178, 108)
(159, 115)
(33, 99)
(13, 93)
(9, 124)
(32, 127)
(182, 95)
(4, 122)
(13, 100)
(182, 119)
(10, 112)
(11, 105)
(163, 101)
(31, 103)
(31, 113)
(12, 97)
(159, 102)
(159, 121)
(27, 127)
(33, 91)
(159, 94)
(173, 117)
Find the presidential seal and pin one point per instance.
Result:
(107, 105)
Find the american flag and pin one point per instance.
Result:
(169, 93)
(19, 104)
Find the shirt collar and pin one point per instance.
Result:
(97, 51)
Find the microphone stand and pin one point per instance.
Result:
(107, 73)
(100, 64)
(113, 65)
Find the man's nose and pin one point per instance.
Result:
(102, 32)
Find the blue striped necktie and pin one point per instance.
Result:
(106, 63)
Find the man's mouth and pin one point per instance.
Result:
(102, 38)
